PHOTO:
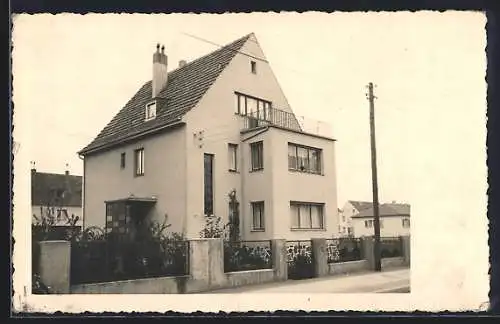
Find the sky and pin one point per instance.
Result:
(73, 73)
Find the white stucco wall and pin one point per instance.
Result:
(215, 117)
(297, 186)
(391, 226)
(164, 177)
(348, 211)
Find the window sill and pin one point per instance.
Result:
(256, 170)
(308, 229)
(307, 172)
(139, 175)
(258, 230)
(234, 171)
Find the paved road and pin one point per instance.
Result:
(389, 281)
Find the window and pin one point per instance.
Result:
(151, 111)
(233, 157)
(253, 67)
(253, 107)
(343, 219)
(117, 217)
(122, 161)
(368, 223)
(139, 162)
(307, 215)
(258, 216)
(257, 151)
(406, 222)
(304, 159)
(208, 184)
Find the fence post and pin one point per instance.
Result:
(54, 266)
(320, 257)
(280, 264)
(406, 249)
(216, 263)
(199, 264)
(368, 251)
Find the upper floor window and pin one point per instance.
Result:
(307, 215)
(122, 160)
(139, 162)
(304, 159)
(253, 107)
(233, 157)
(369, 223)
(257, 155)
(151, 110)
(406, 222)
(253, 67)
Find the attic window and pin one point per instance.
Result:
(151, 110)
(253, 66)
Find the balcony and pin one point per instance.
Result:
(286, 120)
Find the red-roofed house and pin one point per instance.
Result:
(194, 133)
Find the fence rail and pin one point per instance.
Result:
(106, 260)
(247, 255)
(343, 250)
(391, 247)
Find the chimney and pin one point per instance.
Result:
(67, 171)
(182, 63)
(33, 167)
(159, 70)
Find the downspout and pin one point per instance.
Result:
(83, 193)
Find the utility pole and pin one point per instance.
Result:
(376, 214)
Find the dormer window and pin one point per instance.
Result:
(151, 110)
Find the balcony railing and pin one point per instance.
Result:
(285, 119)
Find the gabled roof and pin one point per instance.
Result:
(53, 189)
(185, 87)
(386, 210)
(360, 205)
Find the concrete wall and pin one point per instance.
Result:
(164, 177)
(348, 267)
(391, 226)
(393, 262)
(206, 271)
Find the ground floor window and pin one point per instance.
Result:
(258, 216)
(307, 215)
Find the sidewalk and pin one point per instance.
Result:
(395, 280)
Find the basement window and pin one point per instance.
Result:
(151, 111)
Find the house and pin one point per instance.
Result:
(394, 220)
(194, 134)
(57, 196)
(351, 207)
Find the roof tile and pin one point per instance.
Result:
(186, 86)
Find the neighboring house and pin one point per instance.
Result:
(57, 195)
(394, 220)
(351, 207)
(190, 136)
